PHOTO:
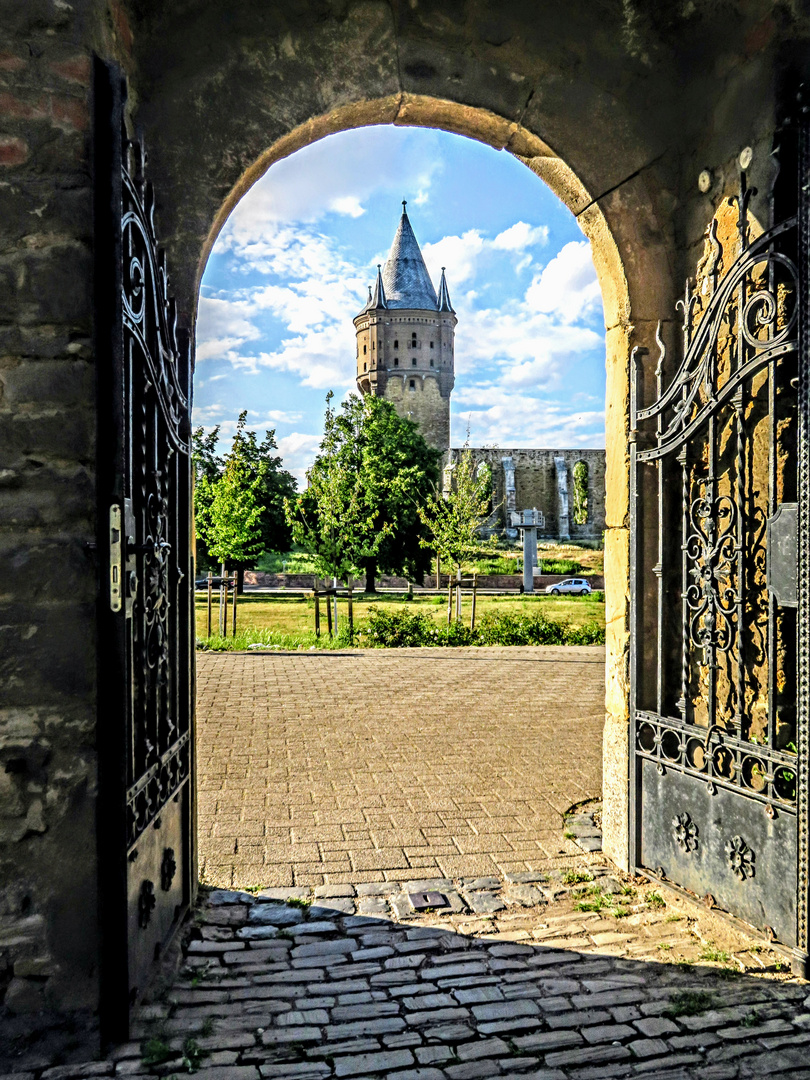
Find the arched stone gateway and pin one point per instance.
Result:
(635, 118)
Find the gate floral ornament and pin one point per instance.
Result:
(686, 832)
(716, 455)
(740, 858)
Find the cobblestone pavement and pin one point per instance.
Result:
(344, 767)
(572, 975)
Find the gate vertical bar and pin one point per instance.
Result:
(633, 816)
(803, 623)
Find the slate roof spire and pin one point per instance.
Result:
(377, 298)
(405, 277)
(444, 295)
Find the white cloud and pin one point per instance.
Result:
(298, 450)
(520, 236)
(398, 161)
(567, 286)
(349, 205)
(459, 254)
(510, 419)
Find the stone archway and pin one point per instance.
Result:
(479, 124)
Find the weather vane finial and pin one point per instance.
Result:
(404, 204)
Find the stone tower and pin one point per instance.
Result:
(405, 336)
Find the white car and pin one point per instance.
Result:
(573, 585)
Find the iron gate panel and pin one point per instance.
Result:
(146, 674)
(717, 766)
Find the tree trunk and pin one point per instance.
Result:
(371, 575)
(240, 580)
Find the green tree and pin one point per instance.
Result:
(333, 518)
(221, 511)
(453, 518)
(360, 511)
(207, 470)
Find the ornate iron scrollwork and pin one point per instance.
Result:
(740, 858)
(168, 868)
(716, 448)
(160, 446)
(146, 903)
(686, 832)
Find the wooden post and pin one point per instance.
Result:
(221, 598)
(329, 614)
(351, 609)
(410, 590)
(225, 584)
(438, 573)
(472, 616)
(210, 599)
(449, 601)
(317, 611)
(235, 592)
(458, 595)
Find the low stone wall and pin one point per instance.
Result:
(485, 581)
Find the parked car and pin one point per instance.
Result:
(574, 585)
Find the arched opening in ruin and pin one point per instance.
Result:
(250, 835)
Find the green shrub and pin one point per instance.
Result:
(398, 629)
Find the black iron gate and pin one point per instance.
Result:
(145, 673)
(718, 477)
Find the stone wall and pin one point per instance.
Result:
(419, 397)
(417, 377)
(48, 767)
(536, 487)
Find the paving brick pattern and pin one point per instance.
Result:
(354, 766)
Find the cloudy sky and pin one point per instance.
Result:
(292, 267)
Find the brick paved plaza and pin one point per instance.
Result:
(355, 766)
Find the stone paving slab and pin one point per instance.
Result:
(341, 767)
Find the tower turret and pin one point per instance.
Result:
(405, 339)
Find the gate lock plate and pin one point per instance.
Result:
(783, 555)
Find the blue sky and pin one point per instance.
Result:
(292, 267)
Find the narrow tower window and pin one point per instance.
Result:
(412, 385)
(396, 343)
(364, 350)
(431, 361)
(396, 361)
(413, 361)
(431, 344)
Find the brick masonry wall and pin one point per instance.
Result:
(48, 872)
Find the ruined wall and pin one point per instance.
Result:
(536, 487)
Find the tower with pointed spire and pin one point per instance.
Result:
(405, 339)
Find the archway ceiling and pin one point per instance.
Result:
(620, 92)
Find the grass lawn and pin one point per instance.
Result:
(508, 559)
(289, 622)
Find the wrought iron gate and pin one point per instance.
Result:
(718, 751)
(145, 673)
